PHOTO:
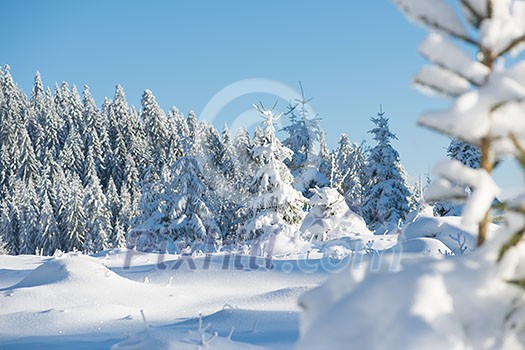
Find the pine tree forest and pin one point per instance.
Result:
(78, 176)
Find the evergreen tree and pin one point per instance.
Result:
(47, 227)
(386, 195)
(325, 159)
(349, 173)
(464, 152)
(97, 214)
(27, 162)
(275, 207)
(50, 123)
(35, 111)
(303, 133)
(470, 156)
(96, 130)
(24, 196)
(9, 223)
(117, 237)
(155, 125)
(61, 101)
(178, 130)
(71, 215)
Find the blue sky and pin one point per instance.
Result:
(350, 56)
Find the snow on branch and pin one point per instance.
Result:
(453, 172)
(436, 15)
(436, 80)
(494, 109)
(475, 11)
(448, 56)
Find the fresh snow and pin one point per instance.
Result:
(97, 301)
(126, 299)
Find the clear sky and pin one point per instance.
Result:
(350, 56)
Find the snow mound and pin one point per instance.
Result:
(330, 217)
(428, 305)
(460, 239)
(70, 267)
(423, 245)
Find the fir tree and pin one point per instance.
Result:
(97, 214)
(386, 195)
(117, 237)
(276, 207)
(155, 125)
(470, 156)
(71, 215)
(349, 173)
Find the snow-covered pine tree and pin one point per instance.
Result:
(51, 124)
(132, 133)
(9, 223)
(61, 101)
(387, 196)
(275, 210)
(71, 215)
(35, 111)
(467, 154)
(47, 227)
(76, 113)
(28, 165)
(325, 159)
(220, 174)
(243, 147)
(117, 235)
(349, 174)
(8, 238)
(11, 112)
(97, 226)
(258, 138)
(177, 130)
(464, 152)
(303, 134)
(72, 155)
(155, 125)
(24, 195)
(190, 217)
(95, 131)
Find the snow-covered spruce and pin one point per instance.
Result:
(386, 198)
(276, 209)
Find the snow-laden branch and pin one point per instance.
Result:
(475, 11)
(453, 172)
(448, 56)
(437, 80)
(435, 15)
(494, 110)
(503, 29)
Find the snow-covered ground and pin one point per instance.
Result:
(130, 300)
(97, 301)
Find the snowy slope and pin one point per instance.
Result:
(96, 302)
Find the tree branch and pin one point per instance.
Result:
(490, 8)
(473, 12)
(436, 89)
(449, 69)
(512, 45)
(437, 26)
